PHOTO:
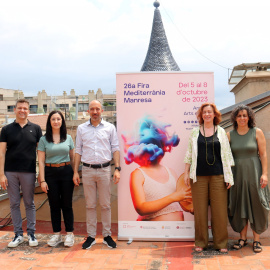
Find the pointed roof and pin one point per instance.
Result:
(159, 56)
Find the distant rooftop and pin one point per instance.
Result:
(39, 119)
(245, 102)
(239, 72)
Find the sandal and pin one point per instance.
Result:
(223, 250)
(198, 249)
(257, 247)
(239, 245)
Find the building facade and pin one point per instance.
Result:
(43, 103)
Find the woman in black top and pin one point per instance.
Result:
(208, 165)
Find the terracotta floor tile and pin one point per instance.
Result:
(266, 263)
(136, 256)
(117, 266)
(130, 254)
(60, 257)
(257, 267)
(235, 254)
(199, 267)
(247, 251)
(98, 264)
(16, 264)
(246, 261)
(135, 261)
(235, 267)
(144, 251)
(79, 260)
(209, 261)
(158, 252)
(43, 268)
(139, 267)
(148, 257)
(265, 241)
(213, 267)
(61, 265)
(94, 250)
(212, 263)
(225, 260)
(114, 259)
(82, 266)
(94, 256)
(111, 251)
(178, 255)
(44, 261)
(199, 262)
(79, 253)
(155, 263)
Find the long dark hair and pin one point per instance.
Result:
(63, 129)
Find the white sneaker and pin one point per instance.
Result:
(18, 239)
(55, 240)
(32, 240)
(69, 240)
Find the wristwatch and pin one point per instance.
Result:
(118, 168)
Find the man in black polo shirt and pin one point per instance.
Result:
(18, 142)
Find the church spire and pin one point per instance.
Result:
(159, 56)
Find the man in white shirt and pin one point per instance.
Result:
(96, 143)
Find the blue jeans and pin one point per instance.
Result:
(25, 181)
(60, 195)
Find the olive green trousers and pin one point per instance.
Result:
(210, 190)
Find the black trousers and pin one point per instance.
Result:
(60, 194)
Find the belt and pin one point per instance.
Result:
(57, 165)
(97, 166)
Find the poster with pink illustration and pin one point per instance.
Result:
(156, 112)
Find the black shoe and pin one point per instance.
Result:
(90, 241)
(109, 242)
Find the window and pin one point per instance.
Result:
(11, 108)
(62, 106)
(33, 108)
(82, 107)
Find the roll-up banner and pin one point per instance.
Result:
(155, 113)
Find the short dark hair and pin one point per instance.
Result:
(22, 100)
(250, 112)
(217, 113)
(63, 129)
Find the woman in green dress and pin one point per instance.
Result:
(249, 197)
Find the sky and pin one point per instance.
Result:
(59, 45)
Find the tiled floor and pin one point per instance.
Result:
(134, 256)
(244, 259)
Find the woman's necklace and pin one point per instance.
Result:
(211, 164)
